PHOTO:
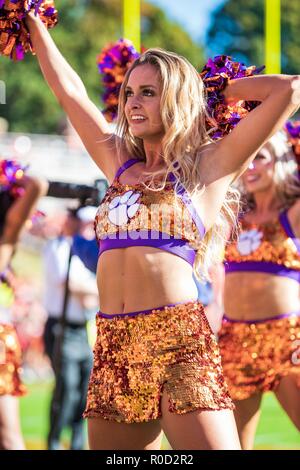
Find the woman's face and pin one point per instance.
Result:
(259, 176)
(142, 108)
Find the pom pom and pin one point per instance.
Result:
(11, 172)
(292, 129)
(293, 134)
(113, 63)
(14, 35)
(215, 75)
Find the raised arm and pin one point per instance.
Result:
(16, 216)
(69, 90)
(226, 160)
(280, 98)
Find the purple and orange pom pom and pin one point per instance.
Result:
(215, 75)
(11, 172)
(14, 35)
(292, 129)
(113, 62)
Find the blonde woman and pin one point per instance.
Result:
(156, 362)
(13, 214)
(260, 335)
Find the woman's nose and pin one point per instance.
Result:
(134, 102)
(251, 166)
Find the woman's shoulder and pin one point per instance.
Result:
(293, 213)
(206, 159)
(122, 155)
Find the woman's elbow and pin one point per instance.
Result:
(295, 90)
(287, 88)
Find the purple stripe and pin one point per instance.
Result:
(262, 266)
(143, 312)
(126, 165)
(183, 194)
(283, 218)
(262, 320)
(152, 238)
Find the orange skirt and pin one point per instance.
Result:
(255, 356)
(138, 355)
(10, 362)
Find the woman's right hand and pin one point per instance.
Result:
(31, 18)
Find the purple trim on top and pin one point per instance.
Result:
(183, 194)
(262, 320)
(144, 312)
(284, 220)
(261, 266)
(126, 165)
(160, 240)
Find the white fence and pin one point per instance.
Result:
(53, 157)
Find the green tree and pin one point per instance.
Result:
(85, 26)
(237, 29)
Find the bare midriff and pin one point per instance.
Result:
(141, 278)
(256, 295)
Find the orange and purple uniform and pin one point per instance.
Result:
(139, 354)
(256, 354)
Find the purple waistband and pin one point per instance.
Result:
(262, 320)
(151, 238)
(144, 312)
(262, 266)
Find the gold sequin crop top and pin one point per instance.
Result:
(271, 248)
(133, 215)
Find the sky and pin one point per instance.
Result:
(193, 15)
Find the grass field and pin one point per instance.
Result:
(275, 430)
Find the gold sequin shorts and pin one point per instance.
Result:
(138, 355)
(10, 362)
(255, 356)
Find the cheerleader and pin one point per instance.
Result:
(156, 361)
(18, 196)
(260, 334)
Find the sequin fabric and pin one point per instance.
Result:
(10, 362)
(141, 209)
(264, 242)
(256, 356)
(136, 358)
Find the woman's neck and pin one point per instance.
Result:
(266, 202)
(154, 158)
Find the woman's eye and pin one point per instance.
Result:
(147, 92)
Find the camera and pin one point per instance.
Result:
(87, 195)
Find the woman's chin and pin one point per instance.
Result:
(256, 187)
(138, 134)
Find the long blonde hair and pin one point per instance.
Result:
(183, 113)
(286, 180)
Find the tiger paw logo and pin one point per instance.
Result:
(249, 241)
(122, 208)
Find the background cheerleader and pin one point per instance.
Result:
(259, 338)
(18, 196)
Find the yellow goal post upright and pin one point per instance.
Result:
(273, 36)
(132, 22)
